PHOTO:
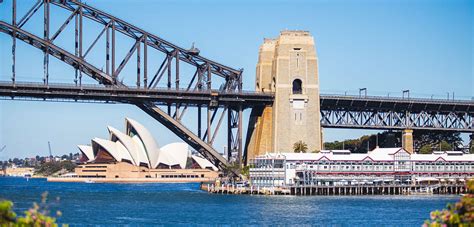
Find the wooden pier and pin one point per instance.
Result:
(322, 190)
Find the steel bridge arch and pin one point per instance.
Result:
(57, 52)
(204, 72)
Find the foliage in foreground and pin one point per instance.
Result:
(38, 215)
(459, 214)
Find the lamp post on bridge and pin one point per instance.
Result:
(407, 92)
(452, 95)
(363, 90)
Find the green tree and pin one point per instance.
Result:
(336, 145)
(445, 146)
(300, 147)
(393, 139)
(50, 168)
(246, 171)
(423, 137)
(426, 149)
(68, 165)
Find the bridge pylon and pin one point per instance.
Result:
(287, 66)
(407, 140)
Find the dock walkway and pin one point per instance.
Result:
(338, 190)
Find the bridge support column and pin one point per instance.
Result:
(471, 143)
(407, 140)
(287, 66)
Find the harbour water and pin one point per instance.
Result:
(101, 203)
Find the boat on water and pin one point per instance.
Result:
(89, 181)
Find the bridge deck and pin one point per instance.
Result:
(357, 103)
(131, 95)
(225, 98)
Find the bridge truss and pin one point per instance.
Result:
(396, 113)
(191, 81)
(208, 77)
(337, 111)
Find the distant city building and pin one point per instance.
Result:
(336, 167)
(15, 171)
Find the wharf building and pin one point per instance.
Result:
(379, 166)
(136, 154)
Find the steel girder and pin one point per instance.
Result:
(232, 75)
(399, 104)
(143, 41)
(159, 96)
(388, 119)
(57, 52)
(185, 134)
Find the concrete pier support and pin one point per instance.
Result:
(407, 140)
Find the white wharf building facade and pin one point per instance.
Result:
(341, 167)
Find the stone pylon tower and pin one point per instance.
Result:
(287, 66)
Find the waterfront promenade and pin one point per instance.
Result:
(322, 190)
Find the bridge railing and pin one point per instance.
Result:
(394, 98)
(128, 89)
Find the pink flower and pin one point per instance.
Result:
(433, 215)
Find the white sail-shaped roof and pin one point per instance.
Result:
(136, 151)
(116, 149)
(138, 147)
(204, 163)
(146, 138)
(87, 151)
(173, 154)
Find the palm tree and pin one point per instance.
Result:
(300, 147)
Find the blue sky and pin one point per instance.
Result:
(386, 46)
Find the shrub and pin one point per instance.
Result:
(459, 214)
(38, 215)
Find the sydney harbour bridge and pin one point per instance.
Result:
(213, 90)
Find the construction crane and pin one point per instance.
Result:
(3, 148)
(49, 146)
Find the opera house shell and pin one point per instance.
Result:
(137, 148)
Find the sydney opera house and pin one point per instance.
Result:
(136, 155)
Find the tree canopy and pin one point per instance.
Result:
(300, 147)
(422, 139)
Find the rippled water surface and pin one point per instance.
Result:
(83, 203)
